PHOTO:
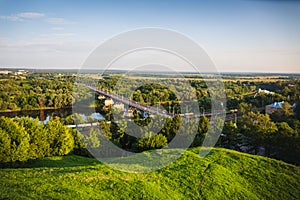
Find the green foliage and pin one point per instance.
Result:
(14, 140)
(244, 108)
(203, 125)
(297, 109)
(106, 128)
(153, 93)
(230, 137)
(60, 138)
(5, 147)
(283, 113)
(171, 127)
(257, 128)
(151, 141)
(202, 131)
(36, 93)
(258, 131)
(286, 144)
(39, 145)
(280, 140)
(92, 140)
(22, 139)
(75, 118)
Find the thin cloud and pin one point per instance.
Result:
(64, 34)
(22, 16)
(11, 18)
(59, 21)
(57, 28)
(30, 15)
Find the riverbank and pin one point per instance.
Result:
(34, 109)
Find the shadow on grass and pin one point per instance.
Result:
(54, 162)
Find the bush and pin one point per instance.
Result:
(152, 142)
(14, 141)
(39, 146)
(60, 138)
(22, 139)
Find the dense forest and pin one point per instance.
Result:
(57, 91)
(25, 139)
(276, 135)
(39, 92)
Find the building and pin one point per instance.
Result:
(108, 102)
(273, 107)
(263, 91)
(119, 106)
(5, 72)
(20, 72)
(129, 113)
(16, 73)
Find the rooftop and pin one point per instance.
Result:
(276, 104)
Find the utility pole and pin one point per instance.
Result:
(202, 110)
(235, 119)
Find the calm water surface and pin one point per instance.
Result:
(45, 115)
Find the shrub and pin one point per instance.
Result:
(14, 141)
(60, 138)
(152, 142)
(23, 139)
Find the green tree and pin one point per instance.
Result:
(39, 146)
(257, 129)
(60, 137)
(202, 131)
(215, 131)
(75, 118)
(244, 108)
(286, 144)
(283, 113)
(203, 125)
(152, 141)
(297, 109)
(230, 138)
(92, 140)
(106, 128)
(5, 147)
(14, 140)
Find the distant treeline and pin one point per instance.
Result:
(54, 91)
(35, 93)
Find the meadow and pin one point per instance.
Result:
(222, 174)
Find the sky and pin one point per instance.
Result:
(238, 35)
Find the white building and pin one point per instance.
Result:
(273, 107)
(108, 102)
(5, 72)
(263, 91)
(119, 106)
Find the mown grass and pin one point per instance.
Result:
(223, 174)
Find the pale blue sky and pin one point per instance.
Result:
(239, 35)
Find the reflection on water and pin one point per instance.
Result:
(45, 115)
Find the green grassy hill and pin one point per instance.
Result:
(223, 174)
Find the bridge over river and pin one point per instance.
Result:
(158, 111)
(132, 103)
(230, 116)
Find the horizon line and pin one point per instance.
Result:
(120, 70)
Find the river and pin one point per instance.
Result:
(45, 115)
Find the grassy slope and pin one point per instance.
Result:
(223, 174)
